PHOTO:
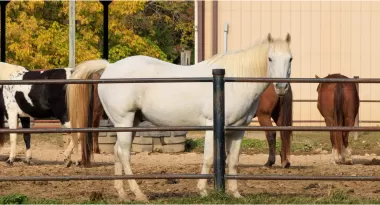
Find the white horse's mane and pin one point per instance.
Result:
(250, 62)
(7, 69)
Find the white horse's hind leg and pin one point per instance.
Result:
(233, 143)
(207, 161)
(124, 140)
(119, 171)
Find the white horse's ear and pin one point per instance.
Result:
(316, 76)
(288, 38)
(269, 38)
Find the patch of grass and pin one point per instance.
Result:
(334, 197)
(194, 144)
(302, 143)
(14, 199)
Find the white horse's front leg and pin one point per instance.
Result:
(12, 123)
(233, 143)
(207, 161)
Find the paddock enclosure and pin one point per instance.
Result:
(327, 37)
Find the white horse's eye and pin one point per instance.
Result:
(290, 60)
(270, 59)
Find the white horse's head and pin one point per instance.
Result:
(279, 62)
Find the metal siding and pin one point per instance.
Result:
(327, 37)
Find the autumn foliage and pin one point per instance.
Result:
(38, 37)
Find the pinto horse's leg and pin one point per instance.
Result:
(265, 120)
(25, 122)
(12, 122)
(69, 149)
(124, 140)
(233, 143)
(207, 161)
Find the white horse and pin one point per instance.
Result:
(184, 104)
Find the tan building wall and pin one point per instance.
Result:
(327, 37)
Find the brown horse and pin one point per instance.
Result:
(338, 103)
(280, 109)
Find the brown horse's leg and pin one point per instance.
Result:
(95, 135)
(336, 146)
(348, 151)
(265, 120)
(96, 116)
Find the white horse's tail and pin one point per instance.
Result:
(78, 100)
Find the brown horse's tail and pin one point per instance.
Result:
(286, 119)
(78, 101)
(338, 114)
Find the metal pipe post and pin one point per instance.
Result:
(105, 28)
(219, 123)
(72, 34)
(3, 27)
(356, 134)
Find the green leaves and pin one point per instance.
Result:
(38, 38)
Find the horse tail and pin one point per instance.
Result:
(338, 113)
(78, 98)
(286, 119)
(2, 114)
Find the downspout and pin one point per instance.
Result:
(225, 37)
(195, 31)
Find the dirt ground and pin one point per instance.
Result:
(48, 156)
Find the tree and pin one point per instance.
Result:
(38, 37)
(169, 24)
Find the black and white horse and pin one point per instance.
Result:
(33, 101)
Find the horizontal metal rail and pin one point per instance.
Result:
(190, 128)
(188, 176)
(311, 100)
(189, 80)
(106, 129)
(308, 178)
(301, 128)
(114, 80)
(106, 177)
(304, 80)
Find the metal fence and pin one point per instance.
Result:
(218, 127)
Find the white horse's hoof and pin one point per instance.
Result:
(236, 194)
(142, 198)
(123, 198)
(203, 193)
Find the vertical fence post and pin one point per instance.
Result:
(356, 134)
(3, 20)
(219, 123)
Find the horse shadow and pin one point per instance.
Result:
(365, 161)
(38, 162)
(273, 166)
